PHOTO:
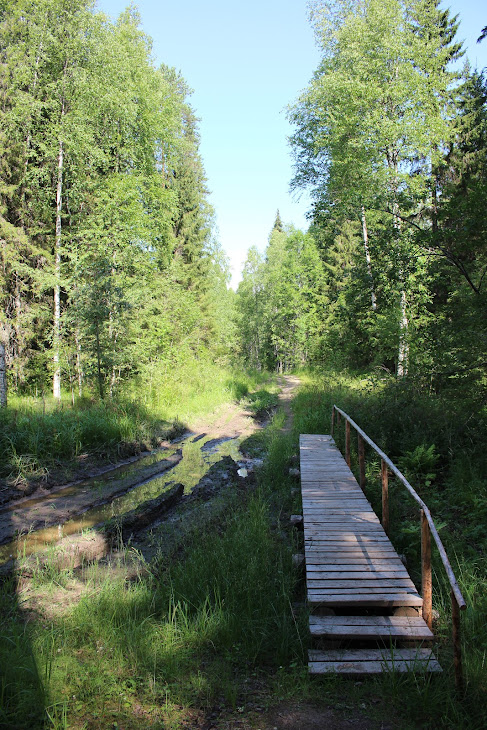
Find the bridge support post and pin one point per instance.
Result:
(426, 576)
(385, 496)
(347, 443)
(457, 650)
(361, 460)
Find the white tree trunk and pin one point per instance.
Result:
(56, 340)
(79, 366)
(403, 352)
(3, 376)
(368, 260)
(403, 349)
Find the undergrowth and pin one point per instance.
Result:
(192, 633)
(183, 634)
(38, 435)
(438, 440)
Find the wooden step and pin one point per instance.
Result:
(372, 598)
(409, 628)
(372, 661)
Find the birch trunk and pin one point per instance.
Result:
(3, 376)
(368, 260)
(403, 352)
(79, 367)
(403, 349)
(56, 340)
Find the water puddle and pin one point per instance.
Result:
(198, 455)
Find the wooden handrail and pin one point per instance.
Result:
(427, 528)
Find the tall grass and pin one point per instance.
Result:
(36, 435)
(184, 635)
(407, 422)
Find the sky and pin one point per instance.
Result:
(246, 62)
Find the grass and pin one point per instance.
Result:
(37, 435)
(195, 632)
(439, 443)
(183, 636)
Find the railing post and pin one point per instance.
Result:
(333, 421)
(426, 578)
(347, 443)
(385, 496)
(457, 650)
(361, 460)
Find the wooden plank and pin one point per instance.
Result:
(360, 628)
(370, 667)
(353, 584)
(361, 589)
(322, 574)
(387, 561)
(404, 621)
(358, 666)
(405, 654)
(337, 554)
(359, 512)
(344, 534)
(349, 559)
(330, 502)
(350, 548)
(353, 571)
(321, 566)
(392, 600)
(348, 523)
(317, 566)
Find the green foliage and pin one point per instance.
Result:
(390, 143)
(183, 634)
(280, 303)
(417, 465)
(109, 177)
(22, 689)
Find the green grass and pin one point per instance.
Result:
(193, 632)
(439, 441)
(39, 435)
(183, 636)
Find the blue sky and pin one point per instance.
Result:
(246, 62)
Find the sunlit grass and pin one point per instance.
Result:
(38, 434)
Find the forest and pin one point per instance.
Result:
(119, 329)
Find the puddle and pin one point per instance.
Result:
(95, 485)
(198, 455)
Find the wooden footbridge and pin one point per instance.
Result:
(366, 615)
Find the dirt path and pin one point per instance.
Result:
(52, 507)
(288, 385)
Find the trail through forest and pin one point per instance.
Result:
(48, 515)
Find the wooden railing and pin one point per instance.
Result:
(428, 529)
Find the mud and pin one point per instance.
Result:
(125, 491)
(59, 506)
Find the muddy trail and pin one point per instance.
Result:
(136, 493)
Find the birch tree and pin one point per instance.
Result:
(372, 121)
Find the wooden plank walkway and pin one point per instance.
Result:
(351, 565)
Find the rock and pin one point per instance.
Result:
(406, 611)
(296, 520)
(293, 472)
